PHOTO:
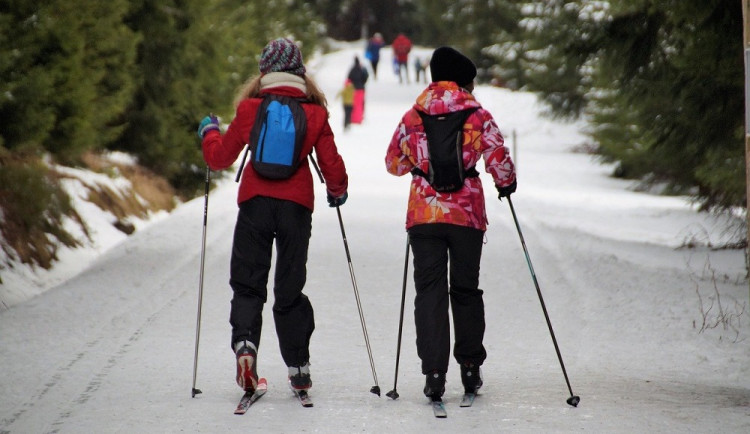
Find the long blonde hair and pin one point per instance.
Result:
(251, 89)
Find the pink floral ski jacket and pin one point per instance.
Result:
(482, 138)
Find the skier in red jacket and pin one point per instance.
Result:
(401, 48)
(279, 210)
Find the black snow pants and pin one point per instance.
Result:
(434, 246)
(260, 221)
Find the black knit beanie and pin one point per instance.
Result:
(447, 64)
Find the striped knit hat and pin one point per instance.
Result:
(281, 55)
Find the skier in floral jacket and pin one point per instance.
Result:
(449, 227)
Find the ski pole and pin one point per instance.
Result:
(317, 169)
(200, 281)
(376, 388)
(573, 400)
(393, 394)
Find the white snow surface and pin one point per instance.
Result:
(111, 348)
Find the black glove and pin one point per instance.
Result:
(506, 191)
(333, 202)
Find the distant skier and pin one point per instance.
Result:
(401, 48)
(347, 99)
(420, 69)
(372, 52)
(277, 210)
(448, 227)
(358, 75)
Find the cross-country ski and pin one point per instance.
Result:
(438, 408)
(304, 397)
(467, 400)
(249, 399)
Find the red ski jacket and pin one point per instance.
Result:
(401, 48)
(221, 151)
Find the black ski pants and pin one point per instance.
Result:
(434, 246)
(260, 221)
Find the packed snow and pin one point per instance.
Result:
(654, 335)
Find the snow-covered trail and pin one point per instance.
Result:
(111, 350)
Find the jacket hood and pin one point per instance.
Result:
(444, 97)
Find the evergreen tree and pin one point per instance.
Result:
(66, 78)
(471, 26)
(679, 69)
(239, 33)
(25, 77)
(347, 19)
(192, 56)
(109, 60)
(159, 117)
(554, 49)
(659, 79)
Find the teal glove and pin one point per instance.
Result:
(209, 123)
(333, 202)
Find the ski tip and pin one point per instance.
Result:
(303, 397)
(468, 399)
(262, 383)
(438, 408)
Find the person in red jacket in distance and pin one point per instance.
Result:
(401, 49)
(275, 210)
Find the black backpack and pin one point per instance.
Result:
(445, 150)
(276, 138)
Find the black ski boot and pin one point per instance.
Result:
(434, 385)
(471, 377)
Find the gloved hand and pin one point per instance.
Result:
(208, 123)
(333, 202)
(506, 191)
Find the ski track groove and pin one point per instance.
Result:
(91, 388)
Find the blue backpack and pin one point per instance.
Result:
(276, 137)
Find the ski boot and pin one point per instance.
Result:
(471, 377)
(434, 385)
(299, 377)
(247, 376)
